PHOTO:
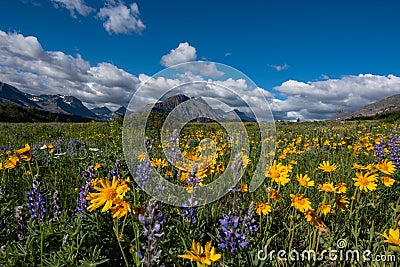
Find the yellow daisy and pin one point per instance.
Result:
(304, 180)
(97, 166)
(365, 181)
(107, 194)
(11, 162)
(342, 202)
(244, 187)
(393, 237)
(327, 187)
(25, 153)
(204, 256)
(300, 203)
(274, 195)
(120, 209)
(324, 208)
(141, 156)
(263, 208)
(341, 188)
(325, 166)
(278, 173)
(312, 217)
(387, 181)
(385, 167)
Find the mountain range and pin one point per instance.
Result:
(195, 108)
(73, 108)
(56, 104)
(64, 108)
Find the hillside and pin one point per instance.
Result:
(16, 113)
(381, 108)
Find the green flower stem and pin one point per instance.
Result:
(41, 243)
(116, 224)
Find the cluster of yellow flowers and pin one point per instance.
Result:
(110, 194)
(23, 154)
(279, 173)
(197, 157)
(368, 181)
(360, 141)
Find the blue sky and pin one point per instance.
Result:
(337, 54)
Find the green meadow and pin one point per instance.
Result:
(68, 198)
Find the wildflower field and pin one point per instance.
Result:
(67, 198)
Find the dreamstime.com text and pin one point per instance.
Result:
(340, 253)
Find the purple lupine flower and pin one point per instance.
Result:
(21, 222)
(140, 255)
(192, 179)
(6, 148)
(56, 205)
(393, 145)
(249, 221)
(174, 137)
(237, 163)
(89, 173)
(115, 172)
(143, 172)
(379, 150)
(82, 202)
(172, 152)
(190, 211)
(37, 200)
(74, 145)
(152, 223)
(160, 186)
(57, 146)
(71, 149)
(38, 154)
(231, 233)
(234, 232)
(175, 145)
(35, 149)
(148, 144)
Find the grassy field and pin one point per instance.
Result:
(68, 199)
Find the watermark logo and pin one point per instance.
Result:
(340, 253)
(198, 91)
(341, 243)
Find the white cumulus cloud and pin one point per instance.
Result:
(183, 53)
(74, 6)
(186, 53)
(25, 65)
(120, 18)
(322, 99)
(234, 93)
